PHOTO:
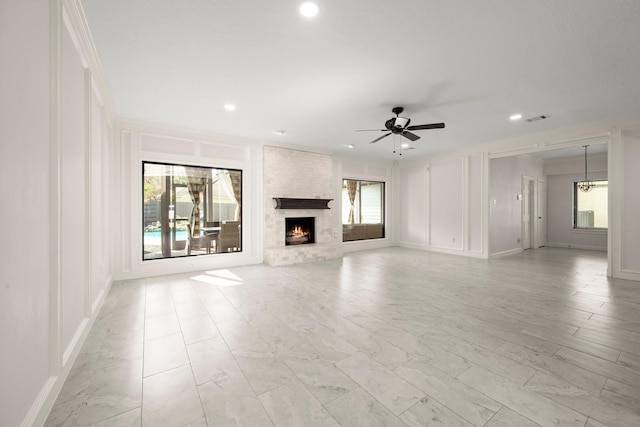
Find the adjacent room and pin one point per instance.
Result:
(299, 213)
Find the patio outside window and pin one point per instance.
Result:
(591, 208)
(362, 210)
(190, 210)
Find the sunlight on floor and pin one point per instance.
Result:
(221, 277)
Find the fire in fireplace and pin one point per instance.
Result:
(299, 231)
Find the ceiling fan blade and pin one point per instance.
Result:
(411, 136)
(378, 139)
(372, 130)
(423, 127)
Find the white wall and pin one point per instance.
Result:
(73, 190)
(625, 174)
(51, 283)
(412, 205)
(560, 176)
(24, 172)
(623, 138)
(446, 204)
(440, 203)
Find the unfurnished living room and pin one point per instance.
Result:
(292, 213)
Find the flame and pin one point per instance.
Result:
(298, 231)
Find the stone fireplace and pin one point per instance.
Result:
(299, 184)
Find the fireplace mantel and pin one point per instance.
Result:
(289, 203)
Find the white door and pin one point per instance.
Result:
(542, 213)
(526, 213)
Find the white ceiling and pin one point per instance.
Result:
(470, 64)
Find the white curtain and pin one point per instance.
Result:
(227, 186)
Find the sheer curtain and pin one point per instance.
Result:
(352, 189)
(227, 186)
(196, 186)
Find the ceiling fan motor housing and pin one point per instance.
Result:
(397, 124)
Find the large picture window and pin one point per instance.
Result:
(590, 209)
(190, 210)
(362, 210)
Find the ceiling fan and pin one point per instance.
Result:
(400, 126)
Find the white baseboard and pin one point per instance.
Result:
(34, 416)
(417, 246)
(39, 411)
(505, 253)
(627, 275)
(469, 254)
(574, 246)
(365, 245)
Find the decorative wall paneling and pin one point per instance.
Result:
(77, 242)
(441, 204)
(624, 158)
(138, 142)
(446, 204)
(412, 209)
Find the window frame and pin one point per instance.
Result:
(188, 165)
(575, 227)
(383, 210)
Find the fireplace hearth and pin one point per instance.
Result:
(300, 231)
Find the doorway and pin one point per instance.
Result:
(534, 212)
(541, 234)
(529, 229)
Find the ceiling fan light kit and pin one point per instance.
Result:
(400, 126)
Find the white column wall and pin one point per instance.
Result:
(50, 147)
(625, 246)
(24, 171)
(412, 206)
(446, 204)
(73, 191)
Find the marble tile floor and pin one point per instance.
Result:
(389, 337)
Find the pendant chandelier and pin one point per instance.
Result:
(585, 185)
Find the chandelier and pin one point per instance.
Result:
(585, 185)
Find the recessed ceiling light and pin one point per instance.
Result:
(350, 145)
(405, 145)
(515, 117)
(309, 9)
(280, 132)
(229, 107)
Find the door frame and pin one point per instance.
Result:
(533, 210)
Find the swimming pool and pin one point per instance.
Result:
(153, 237)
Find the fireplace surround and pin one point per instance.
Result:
(303, 182)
